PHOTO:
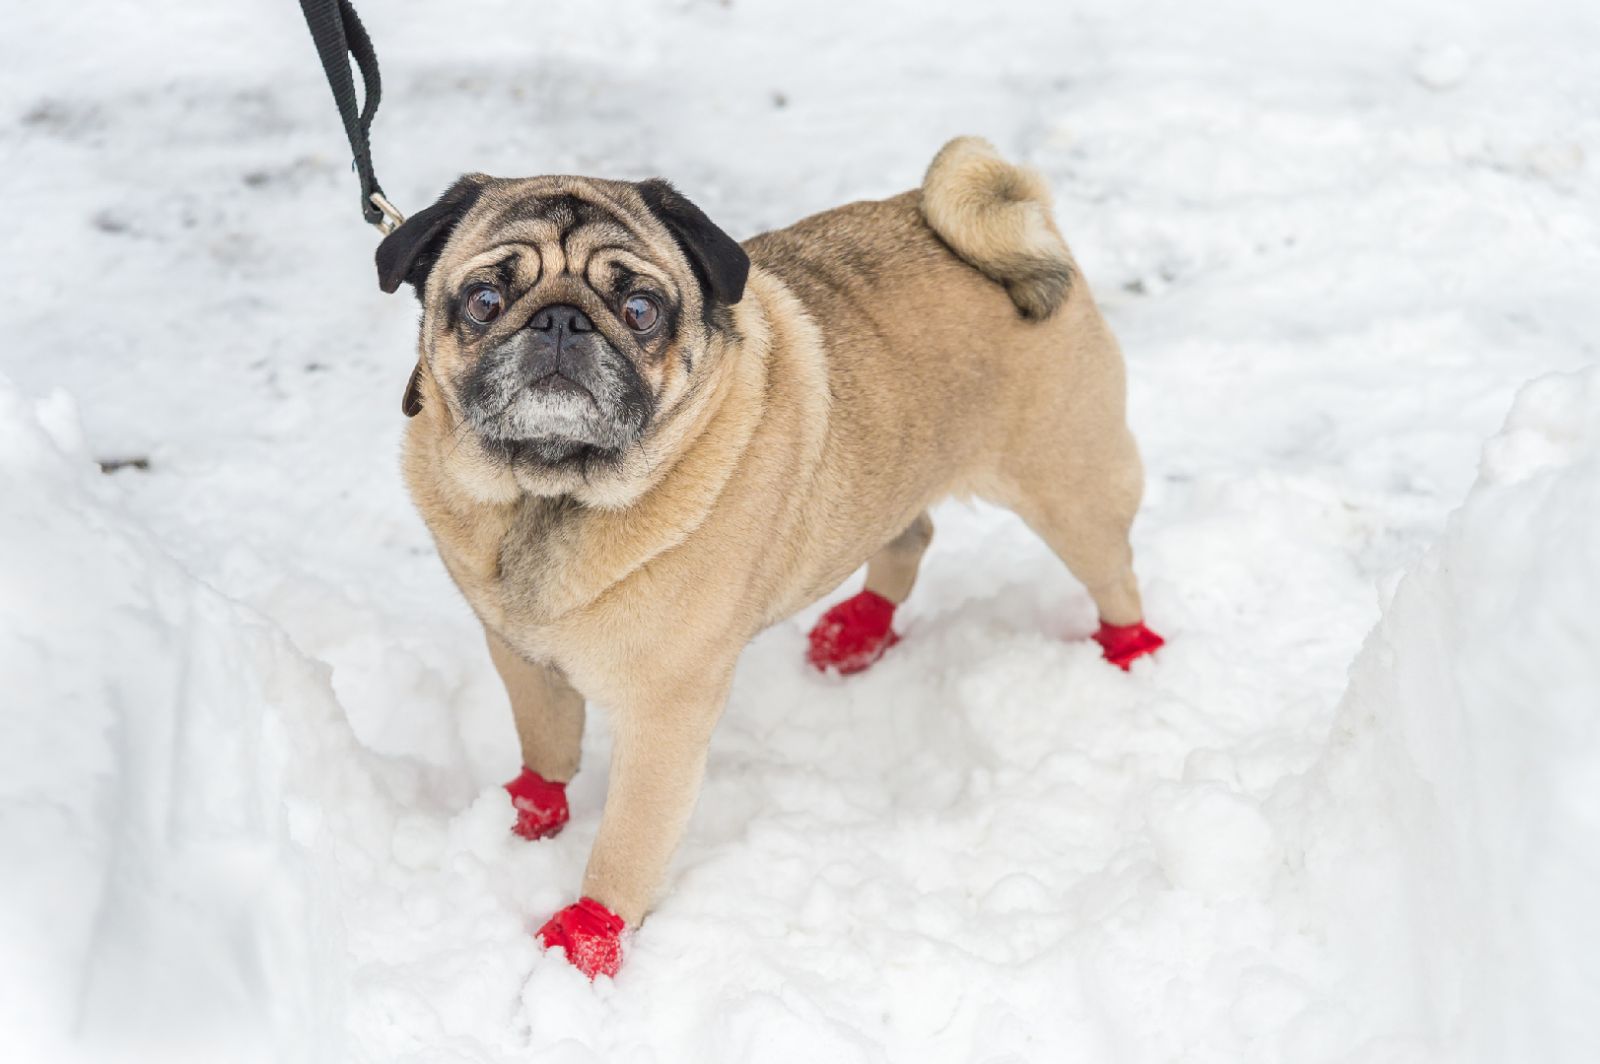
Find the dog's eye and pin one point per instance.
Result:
(483, 303)
(640, 313)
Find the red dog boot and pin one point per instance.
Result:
(1122, 643)
(590, 933)
(541, 805)
(853, 634)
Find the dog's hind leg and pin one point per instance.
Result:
(892, 572)
(1084, 512)
(856, 632)
(549, 716)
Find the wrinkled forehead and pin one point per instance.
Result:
(563, 225)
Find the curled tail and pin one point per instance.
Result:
(996, 216)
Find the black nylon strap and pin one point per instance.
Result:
(339, 35)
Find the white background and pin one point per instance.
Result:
(249, 802)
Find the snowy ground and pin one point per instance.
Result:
(249, 796)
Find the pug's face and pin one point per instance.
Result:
(564, 318)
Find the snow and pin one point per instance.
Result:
(1474, 704)
(249, 797)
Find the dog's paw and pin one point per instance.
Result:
(853, 634)
(590, 934)
(1123, 643)
(541, 805)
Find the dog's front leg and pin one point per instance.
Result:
(549, 716)
(658, 759)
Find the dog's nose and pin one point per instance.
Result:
(561, 318)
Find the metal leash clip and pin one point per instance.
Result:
(392, 218)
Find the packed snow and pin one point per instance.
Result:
(249, 793)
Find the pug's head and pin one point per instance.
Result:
(565, 319)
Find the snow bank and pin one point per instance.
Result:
(1456, 842)
(167, 761)
(215, 869)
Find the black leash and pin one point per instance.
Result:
(339, 35)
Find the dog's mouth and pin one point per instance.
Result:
(550, 421)
(555, 453)
(557, 383)
(585, 407)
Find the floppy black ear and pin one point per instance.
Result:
(411, 402)
(408, 254)
(717, 258)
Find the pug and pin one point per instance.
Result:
(638, 442)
